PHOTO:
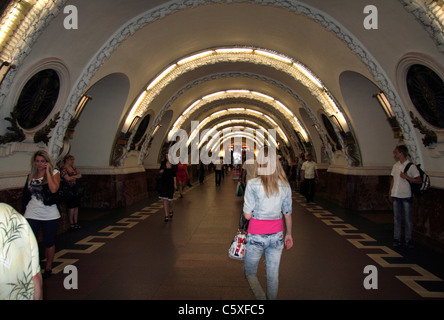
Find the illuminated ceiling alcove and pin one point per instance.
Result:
(250, 55)
(162, 10)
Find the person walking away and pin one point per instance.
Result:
(201, 172)
(167, 186)
(309, 175)
(181, 177)
(218, 171)
(267, 199)
(400, 195)
(247, 171)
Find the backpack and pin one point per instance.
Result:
(418, 188)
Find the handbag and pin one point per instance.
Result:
(239, 190)
(64, 193)
(50, 198)
(237, 248)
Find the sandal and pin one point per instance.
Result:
(171, 214)
(166, 219)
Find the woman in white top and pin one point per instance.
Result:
(37, 213)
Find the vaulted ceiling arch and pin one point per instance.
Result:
(267, 107)
(239, 117)
(230, 135)
(298, 8)
(153, 14)
(255, 56)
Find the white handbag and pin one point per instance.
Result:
(237, 248)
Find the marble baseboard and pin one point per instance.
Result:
(355, 192)
(370, 193)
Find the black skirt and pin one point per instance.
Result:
(166, 183)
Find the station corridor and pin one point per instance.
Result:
(132, 254)
(105, 88)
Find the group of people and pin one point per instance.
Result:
(267, 206)
(46, 216)
(267, 199)
(40, 213)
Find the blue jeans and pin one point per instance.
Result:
(400, 206)
(258, 244)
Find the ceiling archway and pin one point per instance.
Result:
(133, 26)
(109, 95)
(153, 14)
(255, 56)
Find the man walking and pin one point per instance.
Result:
(309, 176)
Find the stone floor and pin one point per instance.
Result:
(132, 254)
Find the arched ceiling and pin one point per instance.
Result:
(141, 40)
(265, 29)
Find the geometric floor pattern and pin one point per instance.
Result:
(94, 242)
(203, 229)
(384, 254)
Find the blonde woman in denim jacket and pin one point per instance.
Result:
(267, 200)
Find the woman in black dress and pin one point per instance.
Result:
(167, 186)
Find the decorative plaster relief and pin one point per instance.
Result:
(294, 6)
(174, 6)
(425, 13)
(234, 75)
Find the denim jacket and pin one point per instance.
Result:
(262, 207)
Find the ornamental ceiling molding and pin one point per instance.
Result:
(231, 115)
(18, 48)
(230, 58)
(231, 105)
(296, 7)
(240, 119)
(268, 80)
(246, 96)
(426, 15)
(215, 116)
(236, 116)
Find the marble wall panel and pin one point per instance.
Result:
(356, 193)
